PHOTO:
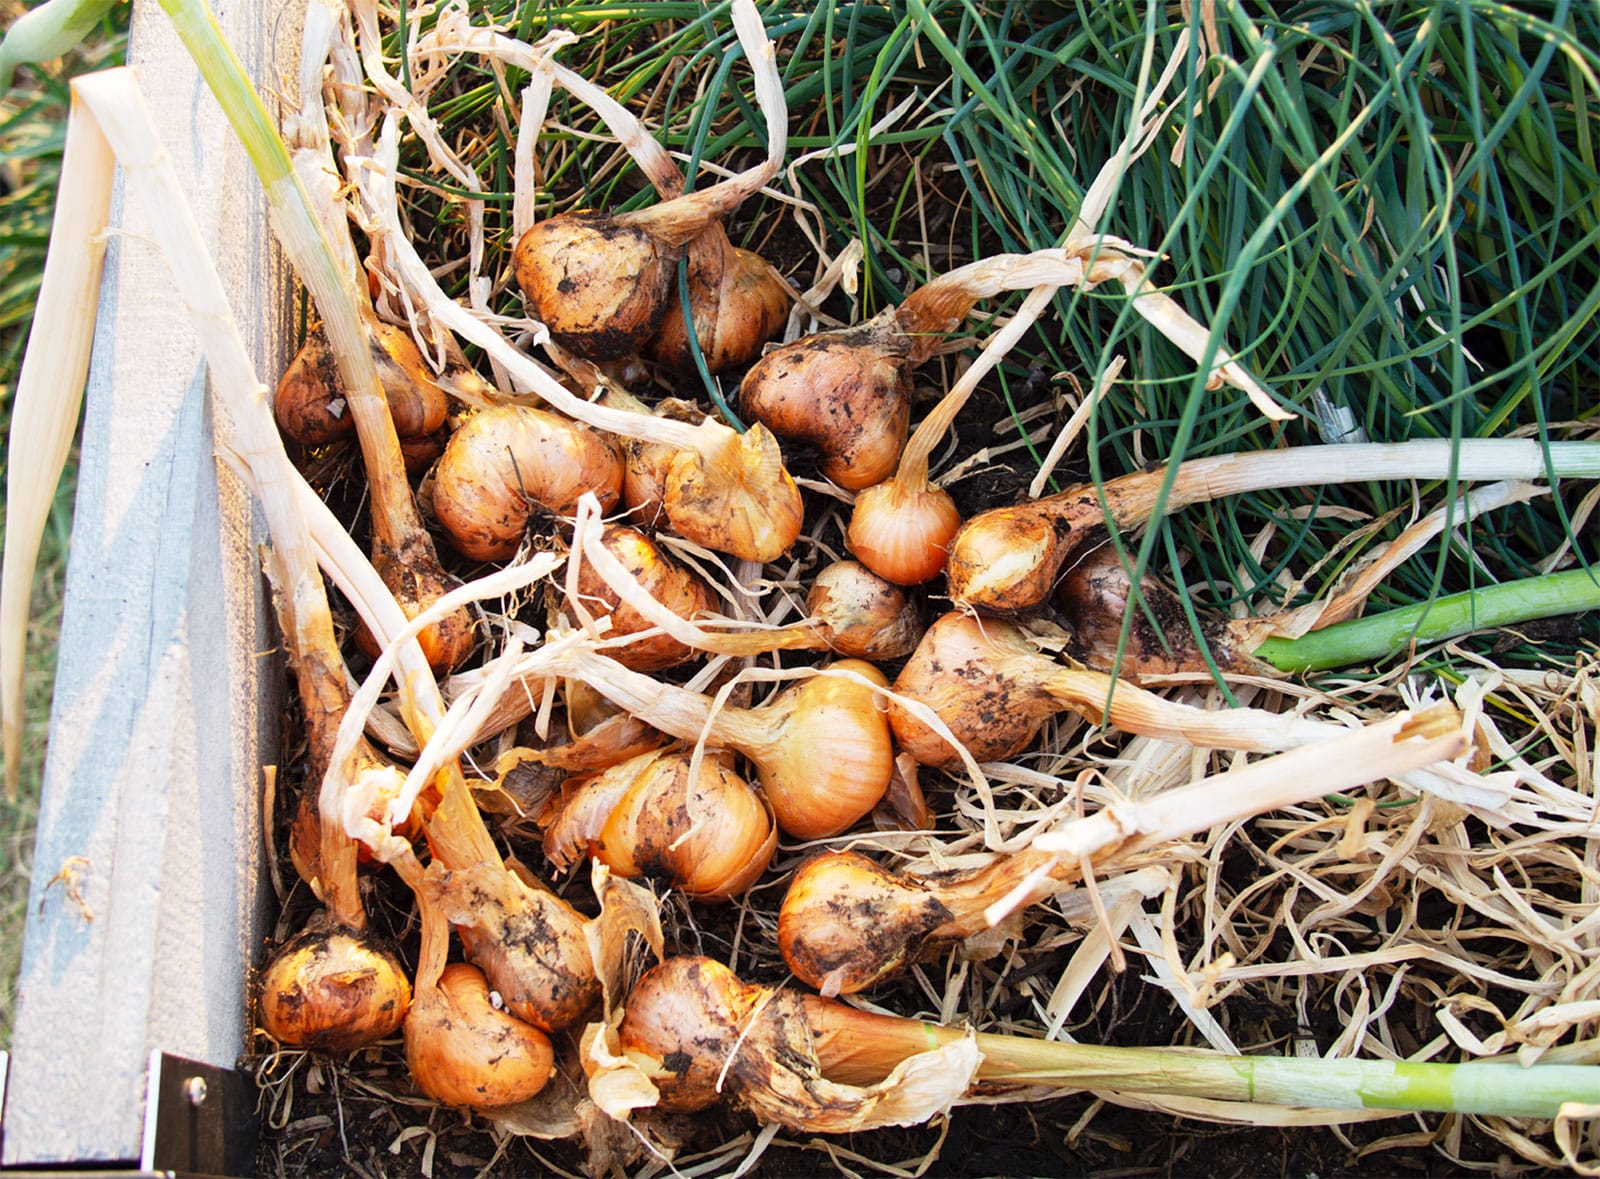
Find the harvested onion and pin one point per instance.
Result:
(332, 989)
(601, 284)
(1008, 560)
(708, 834)
(464, 1051)
(310, 403)
(702, 1036)
(736, 300)
(993, 690)
(678, 589)
(812, 796)
(505, 461)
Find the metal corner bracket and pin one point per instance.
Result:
(199, 1120)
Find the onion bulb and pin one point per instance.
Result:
(601, 284)
(1095, 596)
(702, 1036)
(812, 795)
(1007, 560)
(680, 590)
(332, 989)
(503, 462)
(528, 942)
(994, 690)
(846, 392)
(708, 834)
(858, 613)
(902, 532)
(310, 403)
(902, 528)
(464, 1051)
(738, 303)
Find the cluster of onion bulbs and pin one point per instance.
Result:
(702, 725)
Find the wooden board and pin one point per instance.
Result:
(148, 893)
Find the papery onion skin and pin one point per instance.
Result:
(309, 403)
(846, 392)
(464, 1052)
(710, 836)
(332, 990)
(903, 534)
(834, 756)
(504, 460)
(689, 1013)
(600, 287)
(742, 501)
(958, 671)
(737, 302)
(846, 923)
(861, 614)
(679, 589)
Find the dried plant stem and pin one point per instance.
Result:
(45, 403)
(119, 110)
(402, 547)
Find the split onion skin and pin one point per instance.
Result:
(505, 460)
(332, 990)
(709, 835)
(846, 392)
(741, 501)
(309, 403)
(600, 286)
(465, 1052)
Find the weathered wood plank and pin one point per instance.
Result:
(167, 693)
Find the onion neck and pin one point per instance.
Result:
(971, 896)
(678, 711)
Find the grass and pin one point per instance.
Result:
(32, 125)
(1391, 210)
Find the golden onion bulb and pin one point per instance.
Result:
(903, 533)
(465, 1051)
(737, 302)
(332, 990)
(847, 392)
(599, 285)
(505, 460)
